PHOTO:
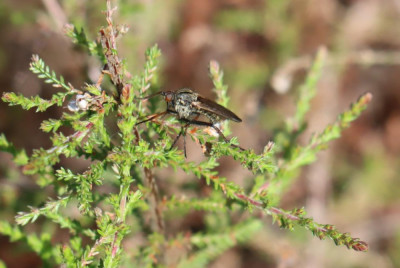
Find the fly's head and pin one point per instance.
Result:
(169, 97)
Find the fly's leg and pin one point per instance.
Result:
(225, 139)
(209, 124)
(184, 142)
(177, 138)
(182, 132)
(152, 117)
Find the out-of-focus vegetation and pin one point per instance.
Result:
(265, 47)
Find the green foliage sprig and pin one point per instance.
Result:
(79, 37)
(38, 67)
(133, 206)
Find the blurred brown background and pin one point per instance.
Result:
(353, 185)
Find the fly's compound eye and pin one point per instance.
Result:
(169, 97)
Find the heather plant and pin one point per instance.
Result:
(126, 158)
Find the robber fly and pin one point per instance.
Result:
(188, 106)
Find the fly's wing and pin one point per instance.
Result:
(215, 108)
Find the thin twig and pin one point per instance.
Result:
(157, 201)
(108, 42)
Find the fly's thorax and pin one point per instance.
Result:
(183, 103)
